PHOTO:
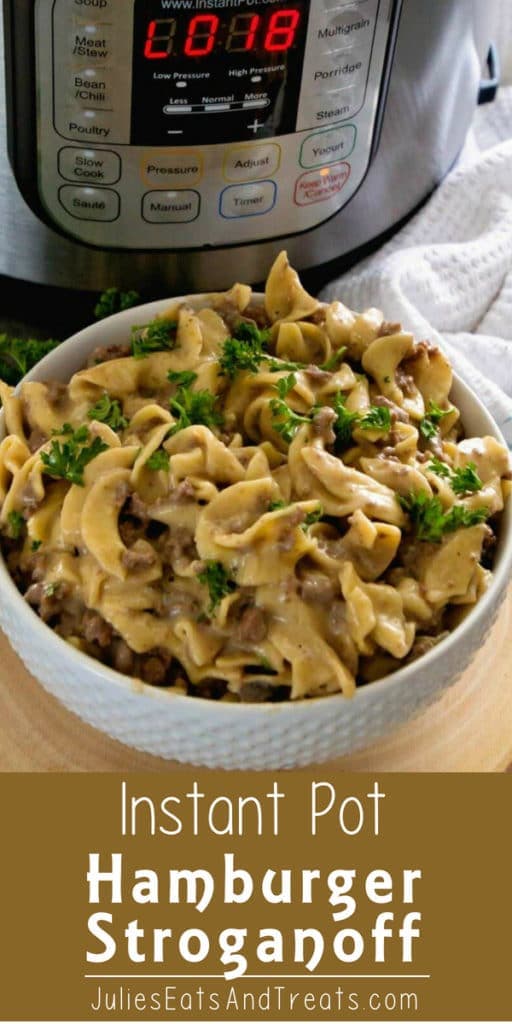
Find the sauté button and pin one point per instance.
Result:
(178, 207)
(248, 163)
(172, 170)
(328, 146)
(248, 200)
(318, 186)
(86, 203)
(95, 166)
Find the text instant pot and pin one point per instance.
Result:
(344, 909)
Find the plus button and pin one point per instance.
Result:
(256, 125)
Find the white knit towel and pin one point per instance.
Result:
(448, 274)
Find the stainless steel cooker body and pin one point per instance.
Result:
(355, 121)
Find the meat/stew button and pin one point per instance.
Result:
(318, 186)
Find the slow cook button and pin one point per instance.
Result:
(328, 146)
(248, 200)
(100, 166)
(172, 170)
(318, 186)
(178, 207)
(90, 203)
(247, 163)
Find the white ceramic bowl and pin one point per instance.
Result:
(220, 735)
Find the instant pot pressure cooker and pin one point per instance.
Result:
(180, 144)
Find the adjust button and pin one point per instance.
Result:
(248, 163)
(328, 146)
(86, 203)
(99, 166)
(172, 170)
(248, 200)
(177, 207)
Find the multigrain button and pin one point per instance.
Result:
(172, 170)
(248, 163)
(328, 146)
(86, 203)
(97, 166)
(248, 200)
(176, 207)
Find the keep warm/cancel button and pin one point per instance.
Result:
(318, 186)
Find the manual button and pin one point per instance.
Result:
(102, 204)
(178, 207)
(248, 163)
(99, 166)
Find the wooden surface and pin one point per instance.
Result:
(468, 729)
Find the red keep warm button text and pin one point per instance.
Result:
(319, 185)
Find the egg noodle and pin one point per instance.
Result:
(251, 501)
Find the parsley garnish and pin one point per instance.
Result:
(431, 522)
(331, 364)
(158, 336)
(344, 424)
(285, 421)
(194, 407)
(276, 505)
(430, 422)
(378, 417)
(36, 544)
(246, 350)
(108, 410)
(183, 378)
(67, 460)
(114, 301)
(19, 355)
(216, 578)
(16, 524)
(462, 481)
(159, 460)
(312, 518)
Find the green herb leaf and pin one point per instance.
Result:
(285, 421)
(195, 407)
(109, 411)
(378, 417)
(439, 468)
(183, 378)
(114, 301)
(68, 459)
(159, 460)
(244, 351)
(312, 518)
(285, 385)
(466, 480)
(16, 524)
(158, 336)
(345, 422)
(219, 584)
(431, 522)
(430, 422)
(276, 505)
(333, 363)
(36, 544)
(19, 355)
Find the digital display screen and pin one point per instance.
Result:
(204, 33)
(216, 76)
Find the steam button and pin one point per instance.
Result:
(84, 203)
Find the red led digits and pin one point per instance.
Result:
(281, 30)
(155, 35)
(201, 35)
(242, 33)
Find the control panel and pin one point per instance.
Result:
(165, 124)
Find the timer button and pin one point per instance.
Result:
(97, 166)
(171, 170)
(84, 203)
(177, 207)
(248, 163)
(248, 200)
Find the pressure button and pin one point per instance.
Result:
(100, 204)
